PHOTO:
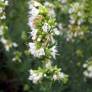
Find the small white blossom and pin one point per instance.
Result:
(89, 68)
(35, 77)
(46, 3)
(46, 27)
(51, 12)
(79, 13)
(63, 1)
(33, 34)
(3, 40)
(88, 74)
(55, 77)
(6, 2)
(74, 8)
(7, 45)
(40, 52)
(48, 64)
(35, 3)
(15, 44)
(38, 39)
(85, 65)
(71, 10)
(36, 52)
(80, 21)
(72, 21)
(58, 76)
(56, 31)
(34, 12)
(32, 48)
(53, 51)
(60, 26)
(30, 24)
(3, 17)
(76, 5)
(62, 75)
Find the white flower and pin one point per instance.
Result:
(85, 73)
(55, 77)
(6, 2)
(15, 44)
(3, 40)
(72, 21)
(32, 48)
(62, 75)
(89, 68)
(48, 64)
(2, 0)
(30, 23)
(60, 26)
(40, 52)
(35, 3)
(63, 1)
(32, 45)
(88, 74)
(38, 39)
(6, 43)
(46, 27)
(53, 40)
(36, 52)
(3, 17)
(34, 12)
(75, 34)
(71, 10)
(33, 34)
(46, 3)
(79, 13)
(35, 77)
(56, 31)
(53, 51)
(76, 5)
(74, 8)
(80, 21)
(51, 12)
(85, 65)
(58, 76)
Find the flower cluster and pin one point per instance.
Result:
(53, 73)
(88, 69)
(75, 20)
(43, 44)
(36, 52)
(42, 31)
(51, 8)
(35, 76)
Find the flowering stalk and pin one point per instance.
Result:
(76, 19)
(43, 45)
(3, 28)
(42, 32)
(2, 16)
